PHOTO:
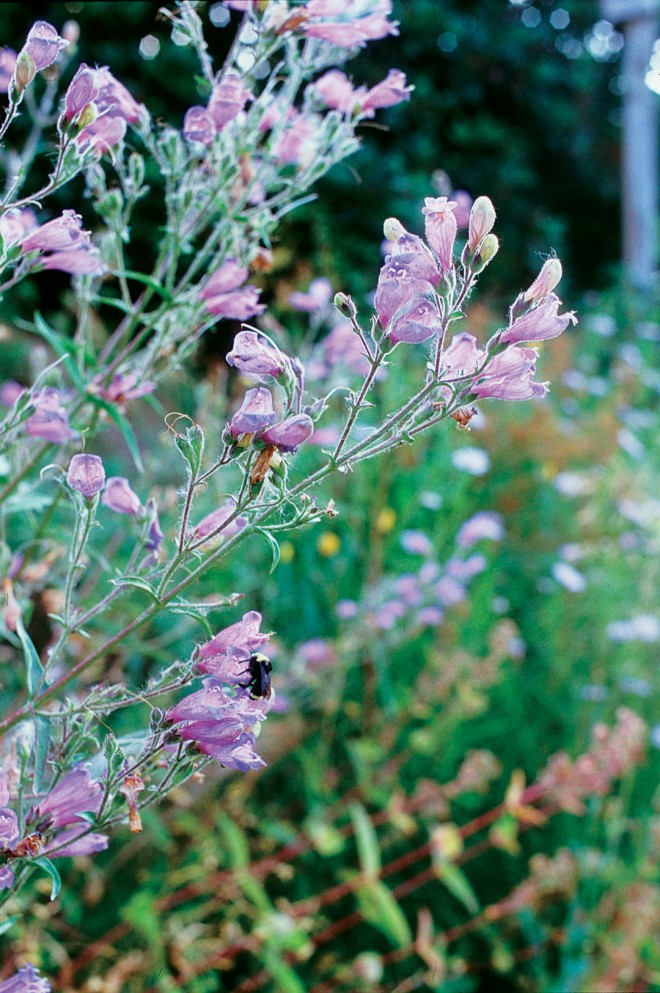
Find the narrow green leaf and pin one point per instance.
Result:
(50, 870)
(42, 741)
(137, 583)
(125, 429)
(380, 909)
(180, 607)
(283, 975)
(254, 891)
(33, 666)
(367, 841)
(456, 882)
(62, 346)
(8, 922)
(274, 547)
(236, 843)
(155, 284)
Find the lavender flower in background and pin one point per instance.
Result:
(225, 295)
(317, 297)
(119, 496)
(253, 354)
(484, 524)
(50, 420)
(216, 519)
(350, 22)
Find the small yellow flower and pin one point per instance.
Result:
(328, 544)
(287, 552)
(386, 520)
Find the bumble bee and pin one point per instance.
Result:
(259, 668)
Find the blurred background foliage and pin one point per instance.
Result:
(259, 883)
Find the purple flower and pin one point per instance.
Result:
(336, 92)
(43, 45)
(255, 413)
(297, 143)
(347, 609)
(225, 741)
(461, 356)
(316, 298)
(75, 261)
(64, 232)
(17, 223)
(213, 521)
(289, 434)
(348, 23)
(418, 322)
(441, 227)
(119, 496)
(449, 591)
(154, 533)
(219, 657)
(540, 323)
(416, 543)
(10, 392)
(102, 134)
(343, 347)
(74, 841)
(6, 881)
(463, 206)
(510, 376)
(228, 99)
(198, 125)
(430, 616)
(569, 577)
(224, 296)
(408, 588)
(123, 387)
(50, 420)
(83, 90)
(398, 283)
(9, 832)
(115, 100)
(7, 66)
(317, 653)
(485, 524)
(86, 475)
(26, 980)
(392, 90)
(74, 793)
(255, 355)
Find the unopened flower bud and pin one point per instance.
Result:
(393, 229)
(132, 785)
(86, 475)
(487, 251)
(24, 72)
(71, 32)
(482, 219)
(545, 282)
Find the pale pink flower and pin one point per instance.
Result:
(114, 99)
(83, 90)
(215, 520)
(7, 66)
(482, 219)
(348, 23)
(119, 496)
(86, 474)
(50, 420)
(336, 91)
(440, 227)
(540, 323)
(228, 99)
(64, 232)
(198, 125)
(75, 261)
(297, 143)
(392, 90)
(43, 45)
(257, 356)
(289, 434)
(317, 297)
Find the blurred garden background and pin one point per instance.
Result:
(427, 670)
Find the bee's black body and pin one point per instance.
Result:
(259, 668)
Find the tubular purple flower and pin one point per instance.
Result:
(7, 66)
(256, 412)
(75, 793)
(50, 420)
(440, 226)
(225, 296)
(461, 356)
(317, 296)
(396, 287)
(255, 355)
(540, 323)
(297, 144)
(336, 92)
(225, 741)
(124, 386)
(86, 475)
(6, 883)
(115, 100)
(15, 224)
(392, 90)
(9, 833)
(238, 640)
(288, 435)
(155, 535)
(509, 376)
(75, 261)
(119, 496)
(198, 125)
(348, 23)
(83, 90)
(61, 233)
(26, 980)
(228, 99)
(482, 219)
(417, 323)
(102, 134)
(43, 45)
(216, 519)
(74, 841)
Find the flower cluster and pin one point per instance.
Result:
(220, 718)
(53, 824)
